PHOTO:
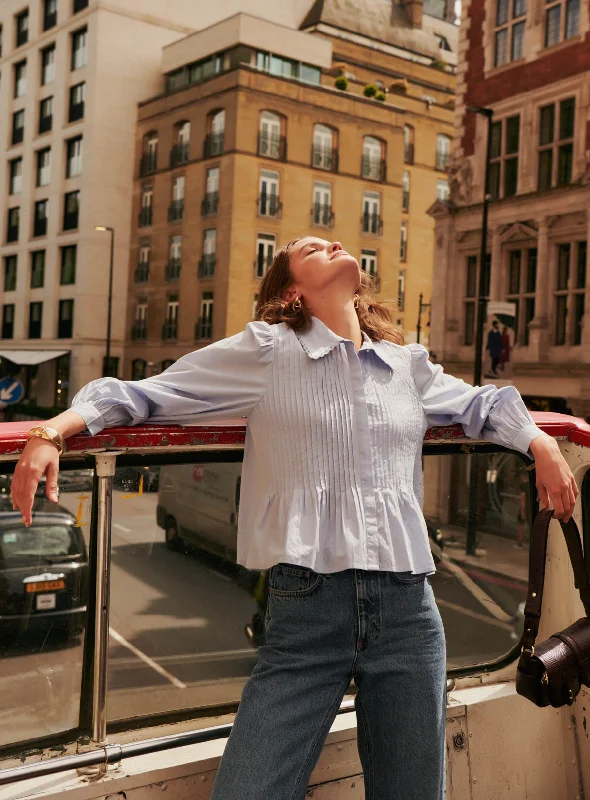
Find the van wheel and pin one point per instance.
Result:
(173, 540)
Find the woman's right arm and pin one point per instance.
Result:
(225, 379)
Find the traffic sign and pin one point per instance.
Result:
(11, 391)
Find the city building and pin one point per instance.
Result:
(336, 122)
(529, 64)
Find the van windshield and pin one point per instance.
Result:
(39, 543)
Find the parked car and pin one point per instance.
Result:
(76, 480)
(43, 572)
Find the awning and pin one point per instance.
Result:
(26, 357)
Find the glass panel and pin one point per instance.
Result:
(572, 18)
(482, 571)
(471, 276)
(565, 164)
(582, 257)
(578, 317)
(529, 314)
(43, 597)
(547, 125)
(519, 8)
(496, 140)
(501, 55)
(553, 24)
(517, 41)
(494, 180)
(512, 135)
(469, 324)
(563, 266)
(514, 272)
(510, 177)
(502, 12)
(567, 114)
(560, 319)
(545, 169)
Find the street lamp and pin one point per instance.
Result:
(106, 369)
(421, 307)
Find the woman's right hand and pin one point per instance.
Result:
(38, 458)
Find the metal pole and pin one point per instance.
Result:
(107, 370)
(418, 326)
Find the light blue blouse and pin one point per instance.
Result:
(332, 474)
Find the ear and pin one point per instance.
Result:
(289, 294)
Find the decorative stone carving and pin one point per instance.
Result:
(460, 181)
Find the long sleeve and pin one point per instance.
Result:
(485, 412)
(225, 379)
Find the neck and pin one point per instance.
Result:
(342, 320)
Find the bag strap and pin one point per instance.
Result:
(537, 559)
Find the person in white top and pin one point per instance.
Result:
(337, 408)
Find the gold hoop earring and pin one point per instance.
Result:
(296, 304)
(356, 300)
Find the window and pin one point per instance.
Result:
(211, 200)
(47, 65)
(49, 14)
(40, 218)
(176, 208)
(406, 191)
(408, 144)
(556, 144)
(371, 219)
(324, 153)
(142, 271)
(270, 144)
(46, 115)
(207, 263)
(197, 72)
(509, 35)
(172, 272)
(442, 190)
(522, 282)
(18, 126)
(10, 271)
(401, 289)
(65, 320)
(71, 210)
(322, 205)
(138, 369)
(35, 320)
(443, 151)
(369, 262)
(77, 98)
(20, 79)
(79, 49)
(170, 328)
(149, 158)
(286, 68)
(69, 255)
(373, 163)
(180, 149)
(8, 321)
(403, 241)
(562, 20)
(569, 292)
(139, 329)
(15, 176)
(268, 202)
(74, 157)
(79, 5)
(37, 269)
(265, 250)
(215, 139)
(13, 224)
(504, 148)
(145, 215)
(167, 363)
(43, 166)
(204, 329)
(21, 24)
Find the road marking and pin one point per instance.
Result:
(121, 527)
(475, 615)
(146, 659)
(192, 658)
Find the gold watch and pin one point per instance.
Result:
(50, 435)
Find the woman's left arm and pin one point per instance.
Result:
(499, 416)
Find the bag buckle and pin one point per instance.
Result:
(528, 650)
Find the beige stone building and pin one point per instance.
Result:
(249, 143)
(531, 66)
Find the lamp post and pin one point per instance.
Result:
(106, 369)
(421, 307)
(488, 113)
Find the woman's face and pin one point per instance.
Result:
(318, 265)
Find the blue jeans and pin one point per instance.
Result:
(382, 629)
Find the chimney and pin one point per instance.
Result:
(413, 9)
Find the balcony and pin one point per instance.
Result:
(76, 112)
(172, 271)
(269, 205)
(272, 147)
(170, 330)
(442, 161)
(40, 227)
(213, 145)
(322, 215)
(373, 169)
(70, 220)
(324, 158)
(45, 124)
(145, 216)
(148, 163)
(210, 204)
(179, 154)
(176, 211)
(372, 223)
(139, 330)
(408, 154)
(12, 233)
(207, 266)
(142, 272)
(204, 329)
(261, 265)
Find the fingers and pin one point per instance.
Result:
(51, 488)
(543, 496)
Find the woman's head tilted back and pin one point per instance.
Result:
(310, 272)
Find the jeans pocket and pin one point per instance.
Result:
(290, 580)
(408, 577)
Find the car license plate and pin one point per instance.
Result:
(45, 602)
(45, 586)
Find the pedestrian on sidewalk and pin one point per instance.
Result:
(337, 409)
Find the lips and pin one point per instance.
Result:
(339, 253)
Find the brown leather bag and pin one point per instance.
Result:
(552, 672)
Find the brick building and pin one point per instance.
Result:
(530, 63)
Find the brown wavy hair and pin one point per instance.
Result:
(375, 318)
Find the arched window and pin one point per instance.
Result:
(408, 144)
(138, 369)
(149, 158)
(373, 163)
(443, 151)
(214, 143)
(180, 148)
(324, 154)
(270, 140)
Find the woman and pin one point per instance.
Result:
(331, 493)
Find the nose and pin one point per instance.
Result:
(335, 246)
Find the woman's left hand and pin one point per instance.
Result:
(555, 482)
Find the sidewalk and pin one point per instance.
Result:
(495, 554)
